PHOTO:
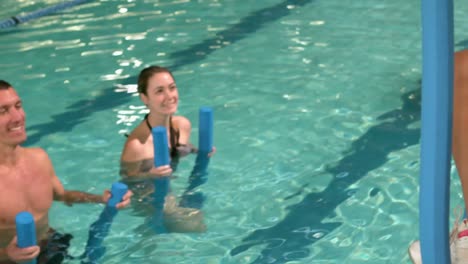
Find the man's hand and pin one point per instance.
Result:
(20, 255)
(213, 151)
(125, 199)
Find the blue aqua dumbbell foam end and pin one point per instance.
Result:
(205, 135)
(99, 229)
(26, 231)
(193, 198)
(161, 158)
(118, 190)
(161, 153)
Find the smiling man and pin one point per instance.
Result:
(28, 183)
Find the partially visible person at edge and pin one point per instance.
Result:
(459, 235)
(158, 91)
(28, 183)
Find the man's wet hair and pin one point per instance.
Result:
(4, 85)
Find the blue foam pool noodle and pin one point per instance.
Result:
(199, 175)
(205, 134)
(26, 231)
(161, 149)
(161, 158)
(161, 185)
(118, 191)
(99, 229)
(205, 141)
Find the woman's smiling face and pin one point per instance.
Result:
(161, 94)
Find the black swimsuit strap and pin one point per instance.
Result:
(147, 122)
(174, 138)
(173, 135)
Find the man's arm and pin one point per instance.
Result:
(69, 197)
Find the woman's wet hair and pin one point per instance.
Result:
(147, 73)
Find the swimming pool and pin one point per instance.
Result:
(316, 120)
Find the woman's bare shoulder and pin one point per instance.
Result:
(181, 122)
(137, 144)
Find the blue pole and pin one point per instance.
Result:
(15, 20)
(199, 173)
(161, 185)
(99, 229)
(436, 131)
(26, 232)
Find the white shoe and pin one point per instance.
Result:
(414, 252)
(458, 245)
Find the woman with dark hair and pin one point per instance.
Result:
(158, 91)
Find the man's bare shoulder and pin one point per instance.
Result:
(36, 154)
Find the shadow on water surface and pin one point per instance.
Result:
(288, 239)
(108, 99)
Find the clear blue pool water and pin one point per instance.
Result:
(316, 120)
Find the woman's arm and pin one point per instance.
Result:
(185, 128)
(142, 170)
